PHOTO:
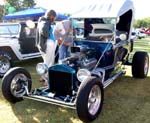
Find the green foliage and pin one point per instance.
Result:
(142, 23)
(21, 4)
(1, 12)
(11, 10)
(28, 3)
(15, 5)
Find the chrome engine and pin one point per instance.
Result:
(81, 57)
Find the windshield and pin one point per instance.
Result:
(97, 29)
(9, 29)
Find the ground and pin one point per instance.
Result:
(127, 100)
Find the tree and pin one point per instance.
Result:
(28, 3)
(1, 12)
(142, 23)
(11, 6)
(21, 4)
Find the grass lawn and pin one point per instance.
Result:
(127, 100)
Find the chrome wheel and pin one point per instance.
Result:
(4, 65)
(18, 84)
(94, 100)
(146, 66)
(90, 99)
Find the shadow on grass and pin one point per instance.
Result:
(27, 63)
(30, 111)
(127, 100)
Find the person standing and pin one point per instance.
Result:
(62, 32)
(51, 47)
(44, 41)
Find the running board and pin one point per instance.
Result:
(51, 101)
(109, 81)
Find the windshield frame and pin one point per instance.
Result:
(82, 29)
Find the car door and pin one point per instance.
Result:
(27, 40)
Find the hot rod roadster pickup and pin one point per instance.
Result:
(101, 47)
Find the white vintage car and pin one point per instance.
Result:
(17, 42)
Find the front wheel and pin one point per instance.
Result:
(140, 65)
(15, 84)
(90, 99)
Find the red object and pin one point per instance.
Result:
(147, 31)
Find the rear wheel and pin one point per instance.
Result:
(140, 65)
(90, 99)
(14, 84)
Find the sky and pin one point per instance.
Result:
(70, 6)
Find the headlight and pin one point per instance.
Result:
(41, 68)
(83, 74)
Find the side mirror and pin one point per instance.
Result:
(123, 37)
